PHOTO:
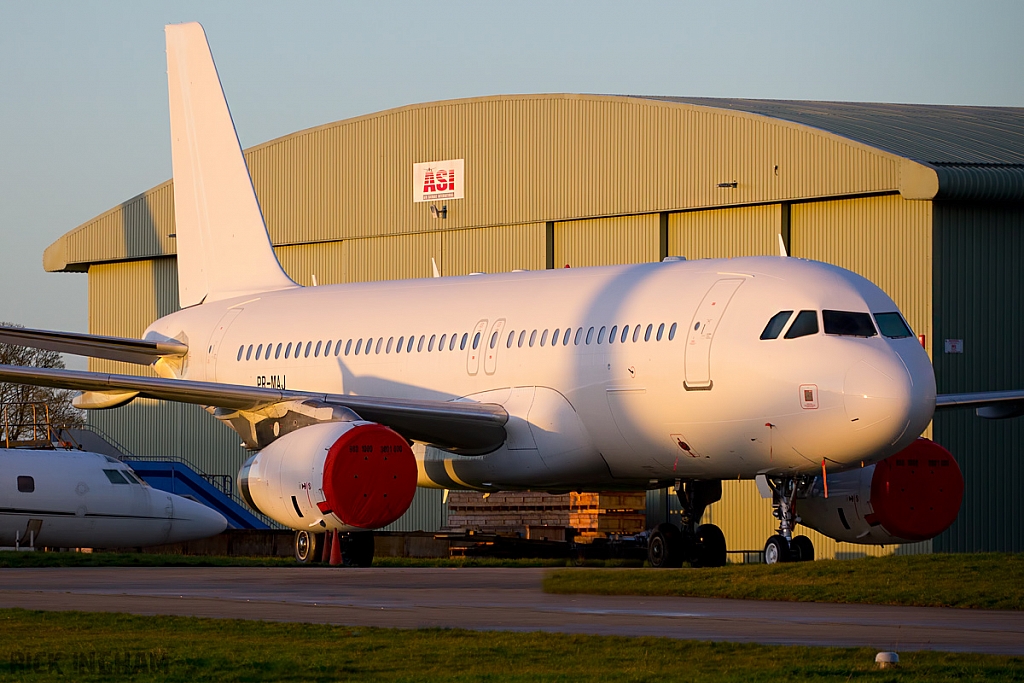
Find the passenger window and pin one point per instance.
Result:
(494, 339)
(661, 331)
(579, 336)
(636, 333)
(309, 345)
(240, 350)
(440, 346)
(625, 334)
(565, 336)
(380, 340)
(277, 352)
(452, 341)
(288, 350)
(337, 348)
(115, 477)
(672, 332)
(533, 338)
(647, 333)
(430, 343)
(258, 350)
(348, 347)
(893, 325)
(806, 323)
(391, 341)
(401, 343)
(476, 340)
(554, 337)
(543, 337)
(26, 484)
(775, 326)
(248, 353)
(612, 333)
(511, 338)
(327, 348)
(848, 323)
(359, 345)
(316, 351)
(465, 336)
(590, 335)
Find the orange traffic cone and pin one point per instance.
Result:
(335, 550)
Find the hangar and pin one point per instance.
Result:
(927, 201)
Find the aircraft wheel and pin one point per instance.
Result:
(776, 550)
(665, 547)
(710, 550)
(357, 551)
(305, 547)
(803, 549)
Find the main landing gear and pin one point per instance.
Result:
(356, 547)
(784, 546)
(702, 545)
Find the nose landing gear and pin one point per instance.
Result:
(783, 546)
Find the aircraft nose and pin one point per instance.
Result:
(193, 521)
(878, 396)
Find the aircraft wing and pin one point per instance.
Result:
(993, 405)
(141, 351)
(461, 426)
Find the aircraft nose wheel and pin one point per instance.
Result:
(783, 546)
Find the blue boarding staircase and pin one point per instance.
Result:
(172, 475)
(180, 479)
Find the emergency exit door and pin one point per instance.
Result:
(701, 334)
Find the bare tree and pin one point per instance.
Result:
(17, 400)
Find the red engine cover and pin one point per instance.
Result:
(369, 477)
(916, 494)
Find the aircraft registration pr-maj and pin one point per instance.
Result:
(799, 374)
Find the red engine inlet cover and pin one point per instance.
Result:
(369, 477)
(916, 494)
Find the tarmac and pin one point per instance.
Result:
(497, 599)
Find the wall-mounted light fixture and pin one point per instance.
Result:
(733, 184)
(438, 213)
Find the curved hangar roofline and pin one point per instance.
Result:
(586, 156)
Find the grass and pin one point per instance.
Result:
(988, 581)
(43, 646)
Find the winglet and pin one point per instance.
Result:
(223, 247)
(782, 247)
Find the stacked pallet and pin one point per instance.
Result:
(530, 514)
(595, 515)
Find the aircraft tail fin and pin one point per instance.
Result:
(223, 247)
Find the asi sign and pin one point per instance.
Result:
(435, 180)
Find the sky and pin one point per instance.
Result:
(83, 92)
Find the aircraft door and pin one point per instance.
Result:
(216, 338)
(493, 342)
(705, 321)
(475, 346)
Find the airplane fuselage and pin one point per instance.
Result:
(612, 376)
(71, 499)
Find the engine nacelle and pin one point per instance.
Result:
(349, 476)
(911, 496)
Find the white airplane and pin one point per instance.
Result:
(67, 498)
(680, 373)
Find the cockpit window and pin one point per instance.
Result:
(115, 477)
(806, 323)
(775, 326)
(848, 324)
(892, 325)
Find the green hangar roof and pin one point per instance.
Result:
(563, 157)
(976, 152)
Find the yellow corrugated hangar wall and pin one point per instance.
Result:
(550, 180)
